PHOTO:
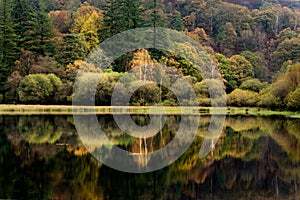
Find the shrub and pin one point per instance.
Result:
(35, 88)
(252, 84)
(240, 97)
(293, 99)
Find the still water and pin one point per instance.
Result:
(42, 157)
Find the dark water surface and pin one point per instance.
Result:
(41, 157)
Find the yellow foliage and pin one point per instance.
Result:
(88, 23)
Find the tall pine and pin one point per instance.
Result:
(122, 15)
(34, 27)
(8, 41)
(154, 13)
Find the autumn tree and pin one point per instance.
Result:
(62, 20)
(88, 23)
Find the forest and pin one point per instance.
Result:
(255, 45)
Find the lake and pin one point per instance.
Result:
(42, 157)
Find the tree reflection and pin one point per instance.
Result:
(41, 157)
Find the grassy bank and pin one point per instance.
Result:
(7, 109)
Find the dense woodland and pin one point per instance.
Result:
(255, 44)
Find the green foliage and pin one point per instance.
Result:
(200, 89)
(148, 94)
(55, 82)
(240, 97)
(38, 88)
(178, 24)
(286, 50)
(37, 131)
(122, 15)
(227, 39)
(153, 14)
(283, 91)
(257, 61)
(293, 100)
(242, 68)
(8, 41)
(234, 70)
(35, 30)
(105, 87)
(72, 48)
(269, 100)
(64, 93)
(258, 43)
(253, 85)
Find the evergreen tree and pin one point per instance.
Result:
(8, 41)
(122, 15)
(21, 15)
(71, 49)
(178, 23)
(34, 27)
(154, 13)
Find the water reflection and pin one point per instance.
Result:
(41, 157)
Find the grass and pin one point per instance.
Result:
(9, 109)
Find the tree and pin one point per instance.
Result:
(105, 87)
(122, 15)
(293, 99)
(11, 86)
(215, 14)
(283, 90)
(273, 18)
(242, 98)
(252, 84)
(286, 50)
(227, 39)
(149, 94)
(234, 70)
(35, 88)
(178, 23)
(154, 15)
(242, 68)
(229, 78)
(34, 27)
(72, 48)
(8, 41)
(78, 68)
(62, 20)
(259, 65)
(88, 23)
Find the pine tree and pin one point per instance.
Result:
(178, 23)
(154, 13)
(71, 49)
(8, 41)
(34, 27)
(122, 15)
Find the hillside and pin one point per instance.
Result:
(44, 44)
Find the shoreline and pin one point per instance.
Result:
(20, 109)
